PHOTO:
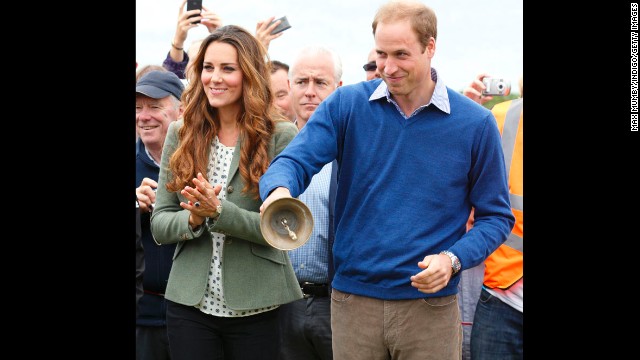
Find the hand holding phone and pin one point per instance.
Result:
(284, 25)
(194, 5)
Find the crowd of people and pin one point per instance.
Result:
(415, 192)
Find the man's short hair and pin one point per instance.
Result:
(277, 65)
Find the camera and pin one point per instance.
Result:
(496, 87)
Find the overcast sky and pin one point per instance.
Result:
(473, 36)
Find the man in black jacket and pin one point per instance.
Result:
(139, 258)
(157, 105)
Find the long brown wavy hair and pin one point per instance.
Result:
(256, 118)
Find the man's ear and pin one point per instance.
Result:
(431, 47)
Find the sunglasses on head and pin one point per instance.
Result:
(369, 66)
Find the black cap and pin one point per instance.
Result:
(160, 84)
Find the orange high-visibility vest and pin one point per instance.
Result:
(504, 266)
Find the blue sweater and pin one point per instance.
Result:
(405, 186)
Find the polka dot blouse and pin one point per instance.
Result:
(213, 302)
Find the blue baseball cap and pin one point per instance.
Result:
(158, 84)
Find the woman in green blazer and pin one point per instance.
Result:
(226, 281)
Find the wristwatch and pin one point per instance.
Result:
(455, 262)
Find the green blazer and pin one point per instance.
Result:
(254, 274)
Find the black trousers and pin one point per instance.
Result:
(152, 343)
(305, 329)
(194, 335)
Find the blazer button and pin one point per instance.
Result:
(229, 189)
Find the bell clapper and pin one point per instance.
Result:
(292, 235)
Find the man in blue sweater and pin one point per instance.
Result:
(414, 157)
(157, 105)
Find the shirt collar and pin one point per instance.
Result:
(439, 99)
(150, 157)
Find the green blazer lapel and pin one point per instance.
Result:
(235, 160)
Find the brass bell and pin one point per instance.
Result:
(286, 223)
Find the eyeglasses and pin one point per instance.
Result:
(369, 66)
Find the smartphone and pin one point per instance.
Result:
(496, 87)
(193, 5)
(284, 25)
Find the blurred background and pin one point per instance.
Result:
(473, 36)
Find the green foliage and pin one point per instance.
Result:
(498, 99)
